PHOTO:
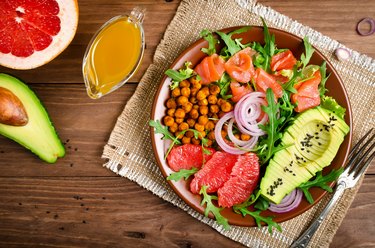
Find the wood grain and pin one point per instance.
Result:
(114, 212)
(77, 203)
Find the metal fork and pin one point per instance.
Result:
(359, 160)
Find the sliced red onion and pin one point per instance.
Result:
(362, 22)
(342, 54)
(289, 202)
(241, 146)
(248, 110)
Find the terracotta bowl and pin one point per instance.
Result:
(194, 55)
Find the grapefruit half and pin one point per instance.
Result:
(33, 32)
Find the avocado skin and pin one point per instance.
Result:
(312, 142)
(38, 135)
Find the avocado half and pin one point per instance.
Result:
(38, 134)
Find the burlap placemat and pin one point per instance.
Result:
(129, 152)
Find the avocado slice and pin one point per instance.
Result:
(312, 141)
(38, 134)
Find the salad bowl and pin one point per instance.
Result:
(194, 54)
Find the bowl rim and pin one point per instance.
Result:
(348, 113)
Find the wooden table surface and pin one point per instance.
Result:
(76, 202)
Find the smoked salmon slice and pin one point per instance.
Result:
(307, 95)
(210, 69)
(240, 66)
(239, 90)
(264, 81)
(283, 61)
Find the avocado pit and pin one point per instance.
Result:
(12, 111)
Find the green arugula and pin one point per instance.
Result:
(212, 41)
(253, 198)
(309, 50)
(232, 46)
(159, 128)
(323, 73)
(269, 40)
(331, 104)
(258, 218)
(224, 83)
(289, 86)
(320, 181)
(183, 173)
(180, 75)
(271, 128)
(210, 207)
(262, 204)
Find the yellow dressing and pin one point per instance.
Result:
(113, 56)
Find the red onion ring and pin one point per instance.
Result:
(369, 21)
(248, 110)
(289, 202)
(243, 146)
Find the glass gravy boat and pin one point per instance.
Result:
(114, 54)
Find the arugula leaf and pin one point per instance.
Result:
(331, 104)
(258, 219)
(212, 41)
(183, 173)
(320, 181)
(159, 128)
(271, 128)
(269, 40)
(232, 46)
(286, 108)
(289, 86)
(180, 75)
(262, 204)
(323, 73)
(210, 207)
(253, 197)
(309, 50)
(223, 84)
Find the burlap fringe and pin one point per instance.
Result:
(129, 153)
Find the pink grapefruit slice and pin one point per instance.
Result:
(33, 32)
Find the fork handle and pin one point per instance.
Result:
(305, 238)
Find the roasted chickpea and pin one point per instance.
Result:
(170, 112)
(202, 120)
(194, 80)
(210, 125)
(245, 137)
(179, 120)
(194, 113)
(201, 95)
(214, 89)
(176, 92)
(193, 100)
(191, 122)
(203, 102)
(185, 91)
(215, 118)
(203, 110)
(173, 128)
(183, 126)
(184, 83)
(181, 100)
(224, 133)
(168, 121)
(214, 109)
(220, 101)
(206, 91)
(180, 113)
(209, 143)
(195, 141)
(179, 135)
(187, 107)
(189, 134)
(196, 106)
(212, 99)
(211, 135)
(202, 134)
(171, 103)
(194, 91)
(186, 140)
(237, 136)
(199, 127)
(197, 85)
(226, 107)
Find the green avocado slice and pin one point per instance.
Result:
(312, 140)
(38, 134)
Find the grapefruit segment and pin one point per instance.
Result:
(243, 180)
(32, 33)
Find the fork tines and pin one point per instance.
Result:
(359, 158)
